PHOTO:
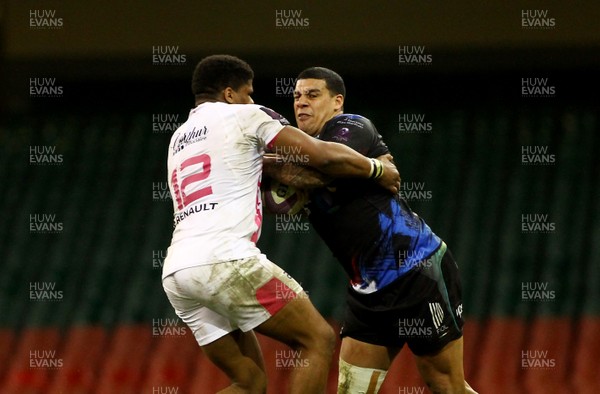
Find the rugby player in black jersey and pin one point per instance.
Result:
(404, 284)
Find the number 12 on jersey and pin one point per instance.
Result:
(181, 197)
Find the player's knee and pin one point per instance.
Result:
(325, 338)
(354, 379)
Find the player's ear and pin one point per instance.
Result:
(339, 102)
(229, 95)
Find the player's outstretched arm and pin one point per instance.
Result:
(335, 159)
(301, 177)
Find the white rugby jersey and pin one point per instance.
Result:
(214, 170)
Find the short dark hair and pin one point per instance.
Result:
(215, 73)
(333, 81)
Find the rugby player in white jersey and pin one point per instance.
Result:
(215, 277)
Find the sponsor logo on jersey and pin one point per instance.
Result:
(437, 315)
(192, 210)
(189, 137)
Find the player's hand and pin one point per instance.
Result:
(391, 177)
(387, 157)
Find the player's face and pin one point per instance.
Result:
(242, 95)
(314, 105)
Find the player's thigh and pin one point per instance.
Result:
(298, 323)
(367, 355)
(444, 368)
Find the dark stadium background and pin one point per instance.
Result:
(108, 327)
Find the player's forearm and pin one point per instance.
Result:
(342, 161)
(301, 177)
(334, 159)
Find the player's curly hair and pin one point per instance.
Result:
(333, 81)
(215, 73)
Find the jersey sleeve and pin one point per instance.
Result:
(356, 132)
(261, 123)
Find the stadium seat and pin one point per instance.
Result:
(126, 360)
(551, 339)
(38, 355)
(501, 344)
(83, 355)
(7, 341)
(585, 378)
(171, 363)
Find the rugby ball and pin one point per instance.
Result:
(279, 198)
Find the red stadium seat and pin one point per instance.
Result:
(83, 355)
(501, 343)
(471, 350)
(171, 363)
(549, 342)
(586, 350)
(126, 360)
(7, 338)
(35, 361)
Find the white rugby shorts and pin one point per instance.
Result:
(216, 299)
